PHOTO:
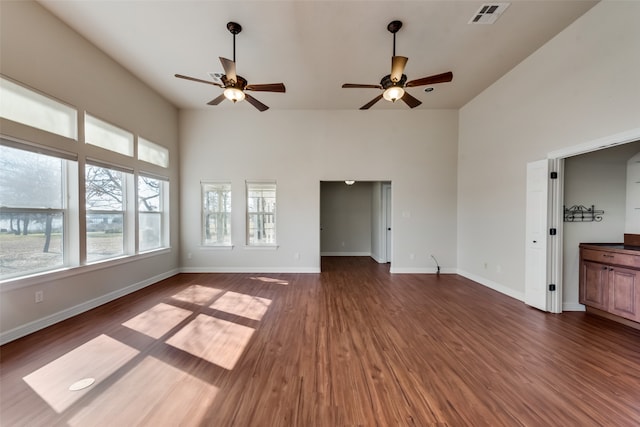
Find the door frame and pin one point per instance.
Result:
(387, 216)
(556, 205)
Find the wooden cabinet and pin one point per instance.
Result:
(610, 279)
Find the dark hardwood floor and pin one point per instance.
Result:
(352, 346)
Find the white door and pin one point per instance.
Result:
(387, 220)
(535, 289)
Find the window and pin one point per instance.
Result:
(152, 153)
(105, 200)
(32, 212)
(22, 105)
(261, 213)
(107, 136)
(216, 214)
(151, 209)
(41, 228)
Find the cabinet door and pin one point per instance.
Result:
(594, 290)
(623, 292)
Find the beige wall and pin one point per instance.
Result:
(414, 149)
(38, 50)
(581, 86)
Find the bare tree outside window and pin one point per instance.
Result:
(31, 211)
(105, 212)
(216, 214)
(149, 213)
(261, 213)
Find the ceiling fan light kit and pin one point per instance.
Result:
(234, 94)
(394, 84)
(393, 93)
(234, 85)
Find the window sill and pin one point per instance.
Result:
(216, 248)
(61, 273)
(262, 248)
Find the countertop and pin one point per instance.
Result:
(613, 247)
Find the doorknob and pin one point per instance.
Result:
(535, 241)
(388, 228)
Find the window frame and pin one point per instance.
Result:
(54, 104)
(68, 165)
(128, 217)
(163, 209)
(76, 154)
(251, 243)
(109, 129)
(204, 213)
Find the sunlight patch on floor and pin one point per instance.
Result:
(155, 403)
(158, 320)
(98, 358)
(197, 294)
(271, 280)
(242, 305)
(214, 340)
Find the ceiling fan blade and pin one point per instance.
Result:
(217, 100)
(267, 87)
(180, 76)
(410, 100)
(229, 69)
(437, 78)
(397, 67)
(370, 103)
(259, 105)
(354, 85)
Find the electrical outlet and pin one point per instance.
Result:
(39, 296)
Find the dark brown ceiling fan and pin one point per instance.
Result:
(393, 84)
(233, 84)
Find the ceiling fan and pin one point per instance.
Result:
(393, 84)
(233, 84)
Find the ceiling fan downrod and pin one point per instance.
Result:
(234, 28)
(394, 27)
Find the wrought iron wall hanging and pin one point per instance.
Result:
(579, 213)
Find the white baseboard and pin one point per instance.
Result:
(424, 270)
(265, 270)
(572, 306)
(52, 319)
(493, 285)
(378, 259)
(345, 253)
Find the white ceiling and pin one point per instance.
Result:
(313, 47)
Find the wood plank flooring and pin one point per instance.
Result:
(352, 346)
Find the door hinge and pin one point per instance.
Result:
(552, 287)
(552, 231)
(554, 175)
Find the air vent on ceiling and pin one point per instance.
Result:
(488, 13)
(217, 77)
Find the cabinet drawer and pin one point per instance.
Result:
(614, 258)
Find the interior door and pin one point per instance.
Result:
(535, 293)
(387, 208)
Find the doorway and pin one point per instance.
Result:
(559, 262)
(355, 219)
